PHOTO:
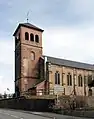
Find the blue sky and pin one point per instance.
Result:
(68, 31)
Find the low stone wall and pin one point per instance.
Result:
(66, 102)
(26, 104)
(80, 113)
(91, 101)
(84, 107)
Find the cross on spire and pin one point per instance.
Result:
(27, 16)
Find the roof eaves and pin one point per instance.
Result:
(90, 69)
(64, 64)
(16, 29)
(31, 27)
(24, 25)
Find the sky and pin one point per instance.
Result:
(68, 31)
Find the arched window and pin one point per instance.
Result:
(31, 37)
(62, 79)
(26, 36)
(80, 82)
(57, 77)
(32, 56)
(36, 38)
(89, 79)
(69, 79)
(85, 80)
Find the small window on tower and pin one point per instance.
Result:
(31, 37)
(32, 56)
(36, 38)
(26, 36)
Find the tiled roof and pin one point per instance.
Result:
(28, 25)
(70, 63)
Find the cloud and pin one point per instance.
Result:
(46, 13)
(6, 51)
(6, 63)
(80, 11)
(81, 6)
(49, 13)
(6, 83)
(68, 25)
(70, 43)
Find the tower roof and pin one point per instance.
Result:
(28, 25)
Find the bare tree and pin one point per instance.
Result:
(5, 95)
(1, 96)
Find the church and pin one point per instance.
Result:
(40, 74)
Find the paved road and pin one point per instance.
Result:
(18, 114)
(8, 114)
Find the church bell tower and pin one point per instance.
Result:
(28, 50)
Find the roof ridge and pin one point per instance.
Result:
(31, 24)
(28, 25)
(69, 63)
(68, 60)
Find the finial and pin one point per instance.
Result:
(27, 16)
